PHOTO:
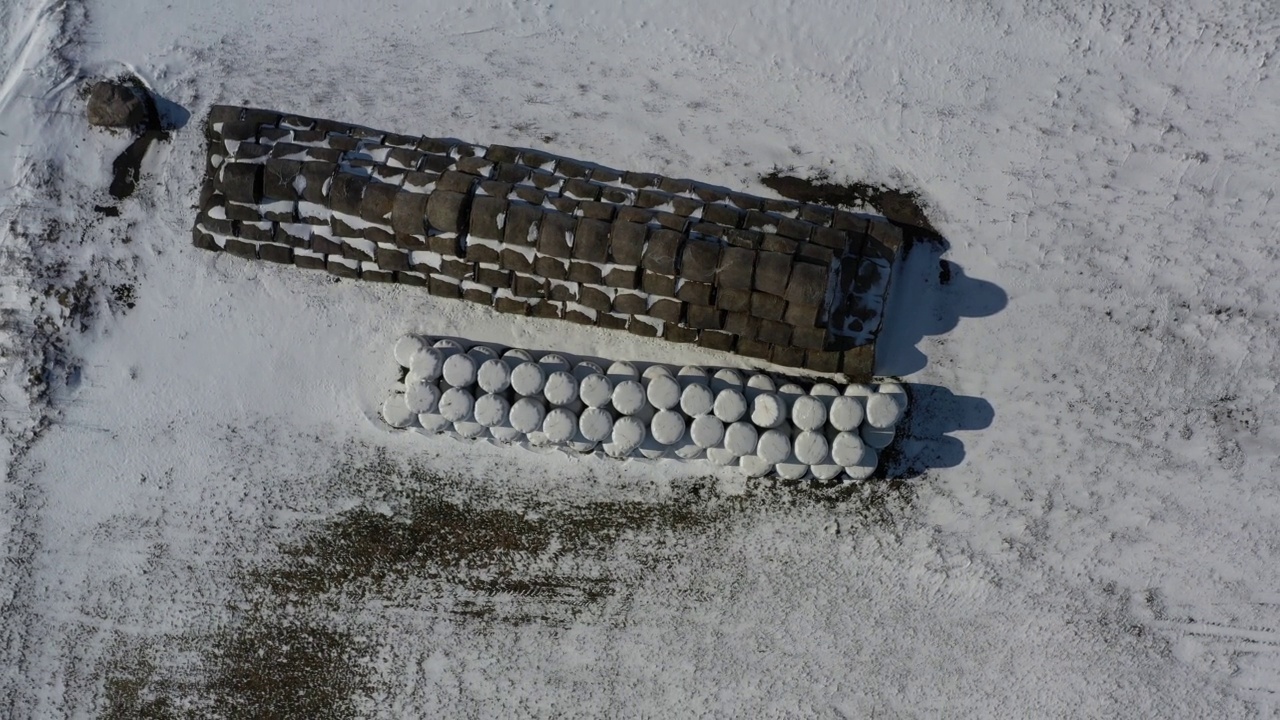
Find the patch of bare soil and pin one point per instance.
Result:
(900, 206)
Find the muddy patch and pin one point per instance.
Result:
(902, 207)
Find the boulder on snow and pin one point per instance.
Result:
(115, 105)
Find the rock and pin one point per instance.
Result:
(115, 105)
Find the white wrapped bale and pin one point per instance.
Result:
(826, 472)
(663, 392)
(696, 400)
(628, 435)
(480, 353)
(553, 363)
(456, 404)
(422, 397)
(667, 427)
(824, 390)
(706, 431)
(754, 467)
(469, 429)
(846, 449)
(559, 426)
(721, 457)
(883, 410)
(561, 388)
(460, 370)
(528, 379)
(515, 356)
(595, 390)
(494, 376)
(434, 423)
(761, 382)
(622, 370)
(505, 434)
(654, 371)
(527, 415)
(585, 369)
(741, 438)
(406, 346)
(691, 373)
(808, 413)
(724, 379)
(629, 397)
(595, 424)
(491, 410)
(864, 468)
(846, 413)
(730, 405)
(396, 412)
(427, 364)
(791, 470)
(811, 448)
(448, 347)
(773, 447)
(768, 410)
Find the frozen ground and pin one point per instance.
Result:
(209, 523)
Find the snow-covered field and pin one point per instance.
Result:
(202, 517)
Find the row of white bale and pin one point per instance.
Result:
(725, 416)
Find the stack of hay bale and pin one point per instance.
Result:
(529, 233)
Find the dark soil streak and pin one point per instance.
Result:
(901, 207)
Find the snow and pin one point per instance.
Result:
(1088, 525)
